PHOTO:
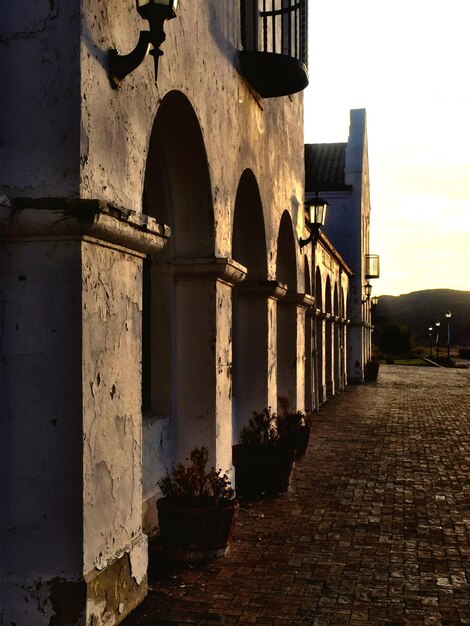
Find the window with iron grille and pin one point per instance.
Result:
(274, 38)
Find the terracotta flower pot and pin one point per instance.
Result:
(262, 469)
(196, 533)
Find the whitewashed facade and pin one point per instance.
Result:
(153, 292)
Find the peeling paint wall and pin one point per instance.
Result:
(239, 129)
(71, 334)
(111, 310)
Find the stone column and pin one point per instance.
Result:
(291, 348)
(203, 402)
(344, 352)
(329, 356)
(71, 542)
(256, 353)
(337, 354)
(356, 352)
(310, 358)
(321, 360)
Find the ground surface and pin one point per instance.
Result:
(375, 528)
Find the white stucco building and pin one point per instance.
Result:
(152, 289)
(339, 172)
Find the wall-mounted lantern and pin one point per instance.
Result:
(157, 12)
(316, 208)
(374, 301)
(368, 292)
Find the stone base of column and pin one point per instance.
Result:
(102, 598)
(111, 594)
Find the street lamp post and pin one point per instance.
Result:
(448, 316)
(437, 324)
(430, 339)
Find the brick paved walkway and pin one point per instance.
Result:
(375, 528)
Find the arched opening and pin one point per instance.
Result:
(344, 352)
(329, 380)
(309, 344)
(320, 337)
(177, 192)
(286, 272)
(251, 306)
(336, 341)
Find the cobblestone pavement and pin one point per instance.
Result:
(374, 530)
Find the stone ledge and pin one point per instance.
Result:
(56, 217)
(263, 288)
(299, 299)
(224, 269)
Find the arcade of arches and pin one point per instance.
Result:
(226, 335)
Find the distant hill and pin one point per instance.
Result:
(421, 309)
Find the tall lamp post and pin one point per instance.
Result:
(430, 339)
(448, 316)
(437, 324)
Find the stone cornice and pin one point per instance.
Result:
(299, 299)
(224, 269)
(263, 288)
(51, 218)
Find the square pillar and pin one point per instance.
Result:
(291, 348)
(255, 349)
(203, 400)
(356, 352)
(71, 542)
(320, 339)
(310, 355)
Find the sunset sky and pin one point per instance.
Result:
(407, 64)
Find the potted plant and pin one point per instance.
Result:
(371, 369)
(294, 426)
(197, 511)
(263, 461)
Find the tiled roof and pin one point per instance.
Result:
(324, 166)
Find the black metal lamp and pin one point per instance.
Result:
(430, 339)
(316, 208)
(157, 12)
(374, 301)
(368, 292)
(448, 316)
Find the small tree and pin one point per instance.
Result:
(396, 339)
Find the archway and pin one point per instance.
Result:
(328, 340)
(309, 343)
(251, 319)
(320, 337)
(336, 342)
(177, 398)
(287, 318)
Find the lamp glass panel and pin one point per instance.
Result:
(142, 3)
(317, 214)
